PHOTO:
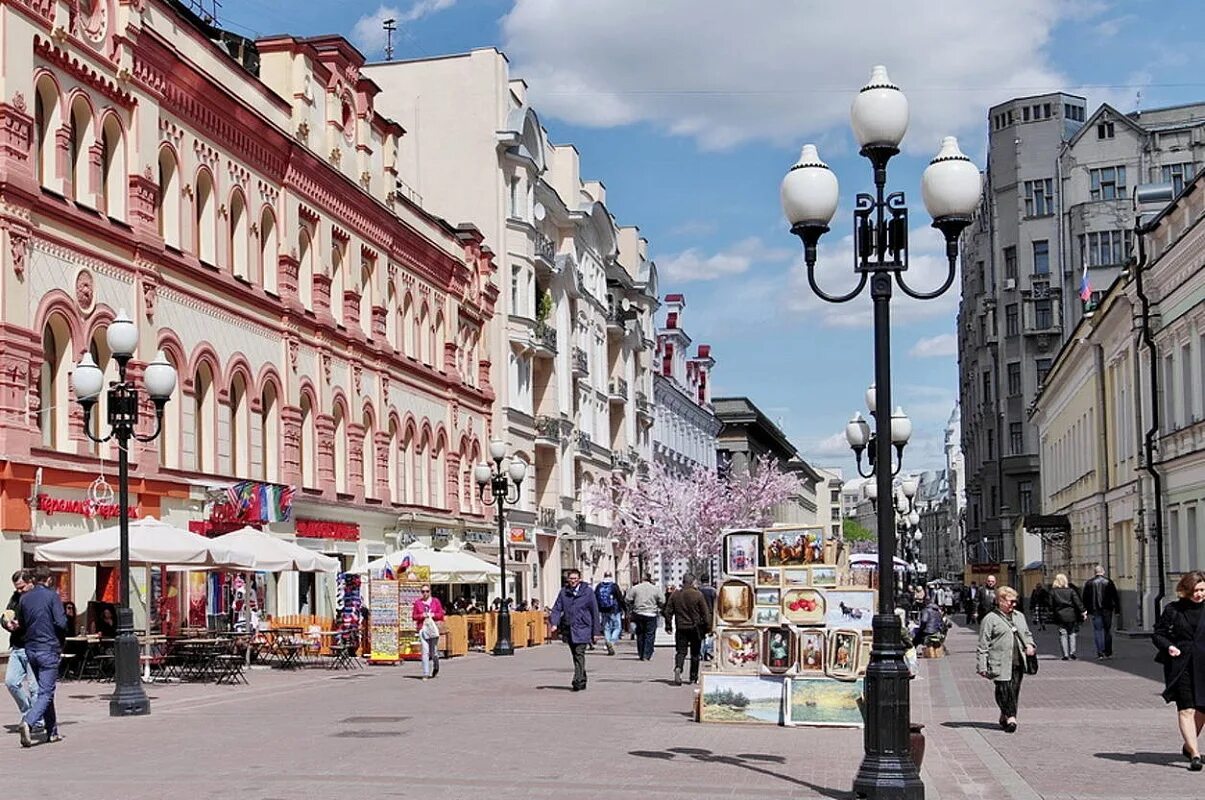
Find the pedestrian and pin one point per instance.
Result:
(1004, 642)
(428, 614)
(1039, 603)
(610, 607)
(931, 625)
(1067, 610)
(1101, 602)
(645, 601)
(709, 594)
(969, 599)
(18, 677)
(687, 610)
(575, 616)
(1180, 636)
(40, 615)
(985, 600)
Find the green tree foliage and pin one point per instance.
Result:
(854, 532)
(726, 697)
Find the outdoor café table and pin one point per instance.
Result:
(149, 645)
(197, 658)
(82, 648)
(290, 654)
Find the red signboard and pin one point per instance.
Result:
(88, 508)
(322, 529)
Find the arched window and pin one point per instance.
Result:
(54, 410)
(169, 198)
(204, 420)
(395, 489)
(205, 231)
(340, 436)
(439, 493)
(169, 434)
(391, 317)
(305, 270)
(307, 454)
(268, 250)
(269, 434)
(338, 282)
(99, 350)
(423, 337)
(113, 173)
(240, 428)
(239, 263)
(409, 327)
(418, 472)
(369, 459)
(79, 139)
(368, 297)
(405, 468)
(47, 120)
(437, 344)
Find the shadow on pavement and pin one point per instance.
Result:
(986, 726)
(557, 688)
(1158, 759)
(746, 761)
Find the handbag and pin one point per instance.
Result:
(430, 629)
(1031, 662)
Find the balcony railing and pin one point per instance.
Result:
(584, 441)
(547, 517)
(545, 336)
(619, 389)
(545, 248)
(548, 427)
(581, 364)
(621, 461)
(581, 522)
(642, 404)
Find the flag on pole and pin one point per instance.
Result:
(1085, 287)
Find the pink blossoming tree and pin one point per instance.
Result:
(683, 516)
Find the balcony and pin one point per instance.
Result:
(548, 517)
(621, 462)
(581, 364)
(618, 390)
(615, 322)
(543, 336)
(581, 523)
(545, 250)
(548, 431)
(584, 443)
(643, 406)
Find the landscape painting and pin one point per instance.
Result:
(768, 576)
(793, 577)
(734, 602)
(825, 577)
(849, 608)
(824, 702)
(750, 699)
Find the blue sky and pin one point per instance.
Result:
(691, 111)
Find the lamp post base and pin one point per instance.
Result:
(503, 646)
(129, 699)
(887, 771)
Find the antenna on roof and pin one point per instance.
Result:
(390, 25)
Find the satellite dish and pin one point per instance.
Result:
(538, 211)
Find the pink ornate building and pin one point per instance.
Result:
(243, 210)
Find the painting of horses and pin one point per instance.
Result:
(849, 608)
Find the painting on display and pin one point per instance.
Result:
(849, 608)
(740, 649)
(844, 650)
(750, 699)
(803, 606)
(778, 650)
(824, 576)
(813, 647)
(734, 602)
(768, 597)
(742, 552)
(864, 653)
(767, 615)
(769, 577)
(796, 577)
(792, 547)
(823, 702)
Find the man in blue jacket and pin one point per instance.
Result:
(40, 614)
(575, 616)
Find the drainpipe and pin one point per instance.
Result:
(1161, 192)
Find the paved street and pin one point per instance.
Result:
(509, 727)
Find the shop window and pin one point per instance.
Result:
(169, 198)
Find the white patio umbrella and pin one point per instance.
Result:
(277, 555)
(151, 542)
(872, 560)
(446, 566)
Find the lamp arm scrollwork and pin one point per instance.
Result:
(951, 273)
(844, 298)
(153, 435)
(88, 425)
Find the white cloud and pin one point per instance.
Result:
(830, 447)
(779, 72)
(695, 265)
(940, 346)
(368, 34)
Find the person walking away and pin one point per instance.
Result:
(687, 610)
(1101, 602)
(1039, 604)
(985, 601)
(709, 594)
(1180, 637)
(575, 615)
(1004, 641)
(645, 601)
(18, 677)
(610, 606)
(40, 614)
(427, 614)
(969, 599)
(1067, 610)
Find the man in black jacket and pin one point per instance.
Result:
(688, 609)
(1101, 602)
(40, 614)
(986, 599)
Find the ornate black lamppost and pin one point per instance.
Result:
(951, 188)
(496, 482)
(87, 380)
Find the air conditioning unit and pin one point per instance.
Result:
(1010, 283)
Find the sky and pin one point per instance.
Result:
(691, 111)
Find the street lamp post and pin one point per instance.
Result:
(951, 187)
(496, 482)
(87, 380)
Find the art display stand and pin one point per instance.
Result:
(793, 633)
(409, 590)
(383, 621)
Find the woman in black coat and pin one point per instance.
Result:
(1067, 610)
(1180, 637)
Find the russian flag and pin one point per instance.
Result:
(1085, 286)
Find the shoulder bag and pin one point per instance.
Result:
(1031, 662)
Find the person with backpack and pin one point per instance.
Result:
(610, 607)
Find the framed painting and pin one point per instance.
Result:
(796, 577)
(769, 597)
(850, 608)
(770, 577)
(742, 552)
(844, 651)
(864, 654)
(734, 602)
(778, 654)
(824, 576)
(767, 615)
(749, 699)
(813, 651)
(785, 547)
(803, 606)
(739, 649)
(823, 702)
